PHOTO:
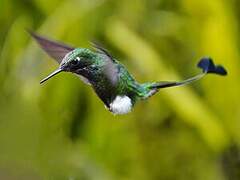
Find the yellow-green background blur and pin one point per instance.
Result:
(61, 130)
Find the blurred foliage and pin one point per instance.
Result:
(61, 130)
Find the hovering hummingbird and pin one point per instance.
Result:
(111, 81)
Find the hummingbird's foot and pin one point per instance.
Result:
(121, 105)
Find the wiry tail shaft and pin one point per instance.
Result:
(206, 64)
(159, 85)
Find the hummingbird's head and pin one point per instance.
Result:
(75, 61)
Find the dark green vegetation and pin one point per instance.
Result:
(61, 130)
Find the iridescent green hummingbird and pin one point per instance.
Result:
(111, 81)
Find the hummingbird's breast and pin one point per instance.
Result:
(105, 90)
(102, 84)
(115, 96)
(113, 84)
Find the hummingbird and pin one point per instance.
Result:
(110, 79)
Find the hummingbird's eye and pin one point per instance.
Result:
(75, 61)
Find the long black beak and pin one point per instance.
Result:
(51, 75)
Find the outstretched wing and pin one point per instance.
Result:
(102, 50)
(54, 49)
(111, 68)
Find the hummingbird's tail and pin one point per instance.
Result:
(206, 64)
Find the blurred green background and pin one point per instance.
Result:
(61, 130)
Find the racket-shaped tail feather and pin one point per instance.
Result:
(206, 64)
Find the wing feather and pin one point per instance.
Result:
(54, 49)
(111, 68)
